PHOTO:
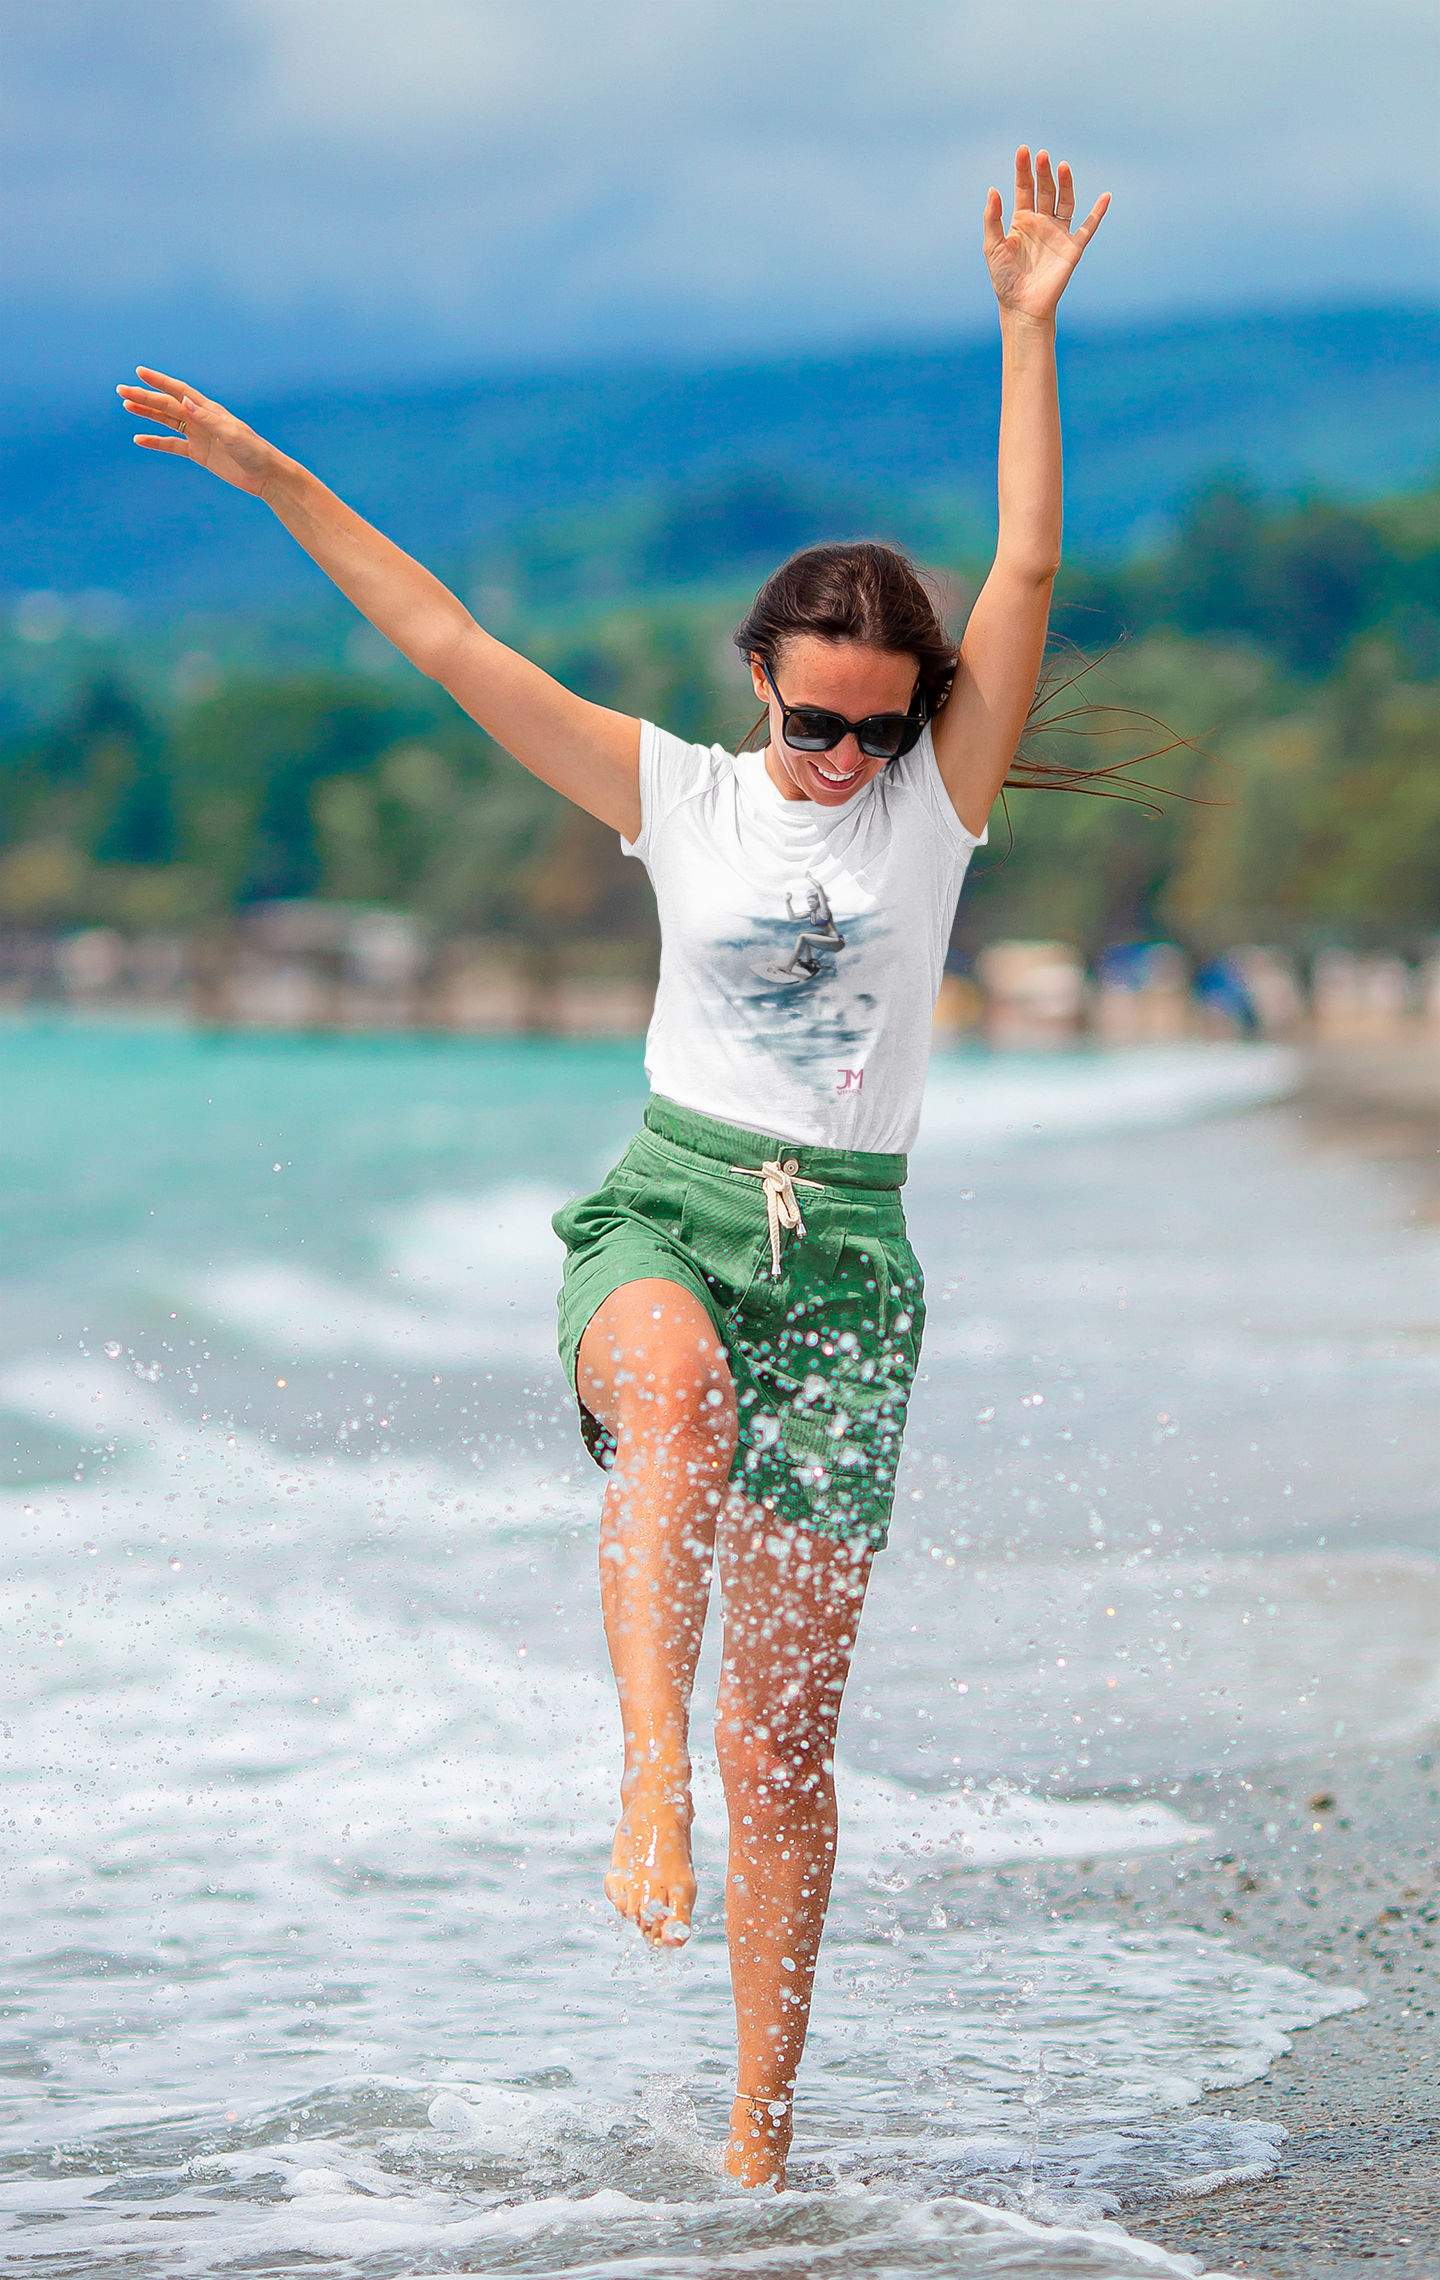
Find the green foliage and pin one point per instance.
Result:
(1288, 658)
(1096, 869)
(88, 819)
(99, 777)
(1330, 822)
(249, 759)
(1301, 584)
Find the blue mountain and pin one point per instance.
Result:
(1341, 400)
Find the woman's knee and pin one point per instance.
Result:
(777, 1771)
(679, 1418)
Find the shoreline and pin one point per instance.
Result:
(1357, 2186)
(1346, 1891)
(1379, 1100)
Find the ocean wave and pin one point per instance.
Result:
(987, 1106)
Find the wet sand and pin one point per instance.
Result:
(1332, 1866)
(1346, 1892)
(1382, 1101)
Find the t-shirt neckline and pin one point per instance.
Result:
(756, 782)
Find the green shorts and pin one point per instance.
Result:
(823, 1355)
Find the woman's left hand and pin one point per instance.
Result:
(1032, 262)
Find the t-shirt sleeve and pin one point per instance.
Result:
(924, 772)
(671, 771)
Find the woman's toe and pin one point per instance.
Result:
(664, 1918)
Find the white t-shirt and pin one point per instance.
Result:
(801, 947)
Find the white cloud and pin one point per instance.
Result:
(523, 177)
(365, 68)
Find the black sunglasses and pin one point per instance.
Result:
(880, 736)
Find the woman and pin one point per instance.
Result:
(741, 1313)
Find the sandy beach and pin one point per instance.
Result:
(1349, 1893)
(1381, 1100)
(1331, 1866)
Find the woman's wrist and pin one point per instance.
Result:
(283, 480)
(1018, 329)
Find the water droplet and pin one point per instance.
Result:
(114, 1349)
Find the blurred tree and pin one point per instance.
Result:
(43, 882)
(249, 759)
(1331, 822)
(1300, 582)
(100, 777)
(1323, 577)
(1409, 532)
(1097, 869)
(87, 810)
(1298, 646)
(1215, 578)
(1368, 858)
(1094, 609)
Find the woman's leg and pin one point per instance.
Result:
(792, 1607)
(652, 1370)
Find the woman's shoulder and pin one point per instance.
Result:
(917, 778)
(681, 760)
(673, 772)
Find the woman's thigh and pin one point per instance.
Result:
(650, 1359)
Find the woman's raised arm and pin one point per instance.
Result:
(1030, 266)
(587, 752)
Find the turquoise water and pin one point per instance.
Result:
(136, 1139)
(309, 1765)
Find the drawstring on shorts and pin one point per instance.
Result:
(782, 1209)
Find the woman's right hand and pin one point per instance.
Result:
(205, 432)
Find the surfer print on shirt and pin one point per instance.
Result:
(793, 985)
(818, 933)
(809, 961)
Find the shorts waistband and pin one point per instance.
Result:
(729, 1145)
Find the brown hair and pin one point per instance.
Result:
(864, 591)
(857, 592)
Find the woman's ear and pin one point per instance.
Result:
(758, 681)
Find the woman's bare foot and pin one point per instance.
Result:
(759, 2141)
(651, 1880)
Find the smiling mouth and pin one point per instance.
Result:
(832, 777)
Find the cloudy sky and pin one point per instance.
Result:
(305, 188)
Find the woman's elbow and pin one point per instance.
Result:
(437, 650)
(1035, 566)
(1030, 558)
